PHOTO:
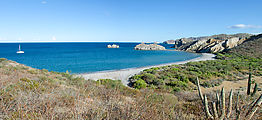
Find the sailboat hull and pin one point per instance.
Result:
(20, 52)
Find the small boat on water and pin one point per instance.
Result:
(19, 50)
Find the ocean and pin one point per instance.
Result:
(88, 57)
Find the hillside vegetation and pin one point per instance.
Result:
(167, 92)
(232, 65)
(27, 93)
(182, 77)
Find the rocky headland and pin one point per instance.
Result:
(169, 42)
(144, 46)
(211, 44)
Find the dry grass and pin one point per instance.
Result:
(27, 93)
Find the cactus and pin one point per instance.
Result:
(237, 107)
(249, 83)
(199, 90)
(255, 90)
(215, 110)
(254, 108)
(218, 101)
(206, 108)
(222, 106)
(230, 104)
(223, 103)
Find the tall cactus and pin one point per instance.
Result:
(255, 90)
(254, 108)
(215, 110)
(237, 107)
(230, 104)
(249, 83)
(222, 106)
(206, 108)
(223, 103)
(218, 102)
(199, 90)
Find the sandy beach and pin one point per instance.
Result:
(124, 74)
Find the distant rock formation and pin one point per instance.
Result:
(211, 44)
(113, 46)
(169, 42)
(143, 46)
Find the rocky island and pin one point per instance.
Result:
(144, 46)
(113, 46)
(211, 44)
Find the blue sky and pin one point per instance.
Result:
(125, 20)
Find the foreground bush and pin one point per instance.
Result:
(27, 93)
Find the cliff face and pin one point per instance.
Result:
(210, 44)
(143, 46)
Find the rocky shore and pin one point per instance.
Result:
(211, 44)
(144, 46)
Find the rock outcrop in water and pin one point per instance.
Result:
(143, 46)
(113, 46)
(211, 44)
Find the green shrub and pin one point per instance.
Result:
(110, 83)
(137, 77)
(176, 89)
(149, 78)
(32, 71)
(206, 84)
(45, 70)
(139, 84)
(158, 82)
(175, 69)
(177, 84)
(29, 84)
(2, 59)
(79, 81)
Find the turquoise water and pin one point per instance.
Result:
(88, 57)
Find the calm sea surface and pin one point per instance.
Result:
(88, 57)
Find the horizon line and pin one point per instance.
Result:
(70, 41)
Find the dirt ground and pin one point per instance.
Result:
(240, 85)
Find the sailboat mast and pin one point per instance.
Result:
(19, 47)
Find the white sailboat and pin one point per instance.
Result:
(19, 50)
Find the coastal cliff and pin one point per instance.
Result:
(211, 44)
(143, 46)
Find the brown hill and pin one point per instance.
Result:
(252, 47)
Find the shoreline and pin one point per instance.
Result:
(125, 74)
